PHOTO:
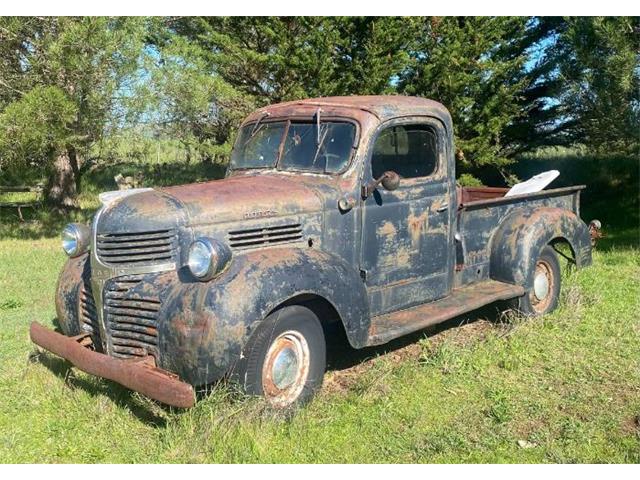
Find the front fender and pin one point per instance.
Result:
(74, 273)
(267, 278)
(522, 235)
(212, 321)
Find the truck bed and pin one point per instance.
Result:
(482, 209)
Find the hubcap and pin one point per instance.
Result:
(541, 286)
(543, 282)
(286, 368)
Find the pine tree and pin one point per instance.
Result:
(473, 66)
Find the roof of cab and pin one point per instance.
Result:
(384, 107)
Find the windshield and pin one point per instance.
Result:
(296, 146)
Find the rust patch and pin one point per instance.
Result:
(418, 226)
(387, 228)
(141, 376)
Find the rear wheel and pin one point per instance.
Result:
(286, 357)
(544, 294)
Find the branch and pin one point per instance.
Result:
(2, 82)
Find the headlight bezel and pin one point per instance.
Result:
(217, 258)
(79, 233)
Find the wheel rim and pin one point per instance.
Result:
(286, 368)
(543, 286)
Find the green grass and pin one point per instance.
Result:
(568, 383)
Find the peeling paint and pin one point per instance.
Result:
(395, 262)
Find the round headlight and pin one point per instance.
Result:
(75, 239)
(207, 258)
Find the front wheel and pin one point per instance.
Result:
(286, 357)
(544, 294)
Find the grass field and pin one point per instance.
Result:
(563, 388)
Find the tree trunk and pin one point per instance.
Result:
(61, 193)
(75, 160)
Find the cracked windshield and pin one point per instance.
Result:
(295, 146)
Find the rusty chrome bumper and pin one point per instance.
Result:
(139, 375)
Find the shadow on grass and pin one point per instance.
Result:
(341, 356)
(118, 394)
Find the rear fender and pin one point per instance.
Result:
(521, 236)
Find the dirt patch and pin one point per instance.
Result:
(631, 425)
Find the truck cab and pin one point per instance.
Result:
(340, 210)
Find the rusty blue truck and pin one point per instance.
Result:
(334, 213)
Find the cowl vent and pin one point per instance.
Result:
(255, 237)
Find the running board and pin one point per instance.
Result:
(385, 328)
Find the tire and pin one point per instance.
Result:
(285, 358)
(545, 280)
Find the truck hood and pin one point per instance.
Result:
(219, 201)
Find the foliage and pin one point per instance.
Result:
(83, 65)
(512, 84)
(464, 63)
(275, 59)
(189, 102)
(35, 125)
(468, 180)
(598, 62)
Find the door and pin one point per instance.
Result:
(407, 243)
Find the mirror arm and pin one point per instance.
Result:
(372, 185)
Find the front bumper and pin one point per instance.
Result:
(138, 374)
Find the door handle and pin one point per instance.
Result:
(443, 208)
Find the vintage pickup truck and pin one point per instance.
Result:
(334, 211)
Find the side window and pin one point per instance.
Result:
(409, 150)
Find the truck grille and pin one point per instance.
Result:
(88, 314)
(131, 319)
(141, 248)
(265, 236)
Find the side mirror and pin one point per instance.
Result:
(390, 180)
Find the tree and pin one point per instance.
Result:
(81, 66)
(473, 65)
(274, 59)
(598, 62)
(189, 102)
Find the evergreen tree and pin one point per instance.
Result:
(598, 64)
(79, 69)
(275, 59)
(473, 65)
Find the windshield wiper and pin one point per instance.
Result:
(257, 126)
(322, 135)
